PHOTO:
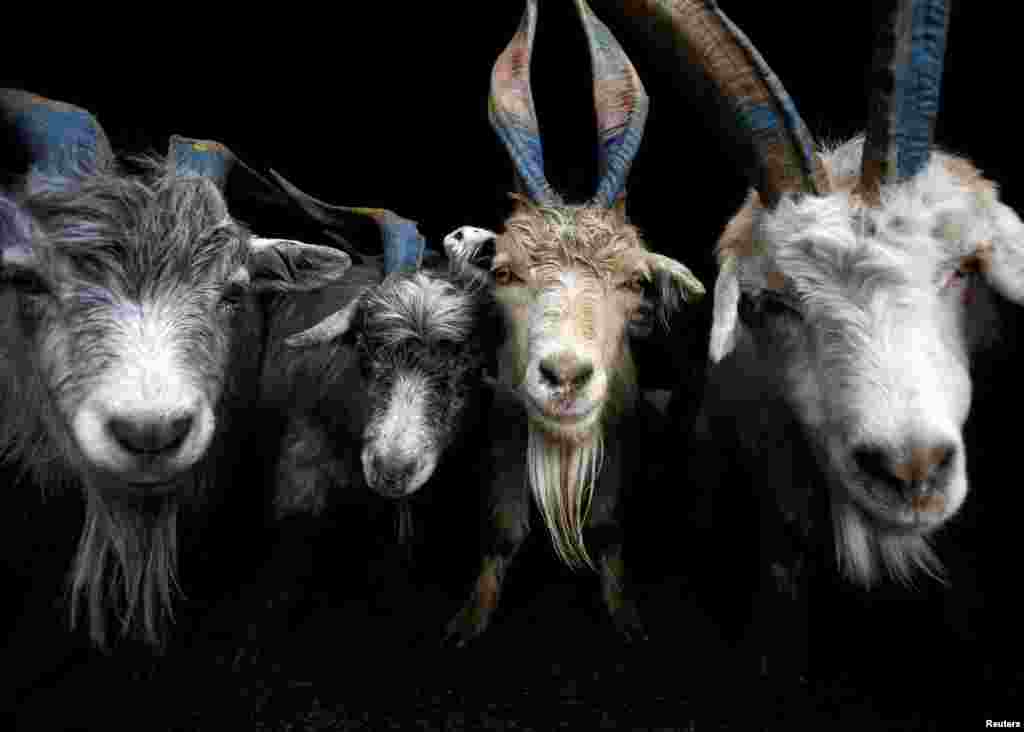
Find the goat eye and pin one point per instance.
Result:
(504, 275)
(637, 283)
(231, 296)
(27, 282)
(754, 311)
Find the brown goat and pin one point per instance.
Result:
(572, 282)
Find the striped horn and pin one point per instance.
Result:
(512, 114)
(707, 43)
(402, 242)
(208, 158)
(621, 104)
(906, 76)
(52, 137)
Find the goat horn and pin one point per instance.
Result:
(331, 327)
(709, 44)
(511, 111)
(403, 243)
(621, 104)
(907, 77)
(208, 158)
(58, 138)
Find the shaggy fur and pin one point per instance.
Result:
(428, 331)
(96, 269)
(577, 278)
(862, 320)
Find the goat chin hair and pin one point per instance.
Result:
(562, 475)
(864, 551)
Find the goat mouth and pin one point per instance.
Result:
(562, 411)
(897, 514)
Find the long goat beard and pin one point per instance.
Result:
(126, 564)
(562, 476)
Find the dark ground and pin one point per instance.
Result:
(382, 108)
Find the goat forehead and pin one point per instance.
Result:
(134, 234)
(419, 308)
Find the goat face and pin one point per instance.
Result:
(420, 346)
(126, 296)
(865, 319)
(572, 282)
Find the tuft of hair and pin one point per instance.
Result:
(583, 234)
(125, 564)
(561, 476)
(425, 306)
(863, 552)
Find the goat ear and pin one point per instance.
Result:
(471, 247)
(1002, 259)
(333, 326)
(725, 312)
(286, 265)
(673, 283)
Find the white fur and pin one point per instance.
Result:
(149, 380)
(879, 352)
(401, 439)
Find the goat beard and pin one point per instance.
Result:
(126, 564)
(562, 475)
(865, 549)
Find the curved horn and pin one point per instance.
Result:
(707, 42)
(906, 74)
(403, 243)
(334, 325)
(208, 158)
(511, 112)
(621, 104)
(58, 138)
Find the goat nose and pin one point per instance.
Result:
(565, 370)
(912, 473)
(150, 435)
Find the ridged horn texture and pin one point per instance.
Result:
(58, 138)
(402, 242)
(906, 78)
(621, 105)
(202, 157)
(511, 112)
(709, 44)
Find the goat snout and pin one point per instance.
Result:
(394, 476)
(917, 475)
(565, 371)
(148, 435)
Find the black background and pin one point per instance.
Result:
(383, 104)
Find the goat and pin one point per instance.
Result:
(391, 370)
(855, 285)
(130, 308)
(573, 282)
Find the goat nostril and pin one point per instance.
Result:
(549, 374)
(583, 375)
(946, 457)
(565, 371)
(150, 436)
(874, 463)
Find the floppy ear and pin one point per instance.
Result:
(1001, 260)
(285, 265)
(471, 249)
(724, 315)
(672, 283)
(333, 326)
